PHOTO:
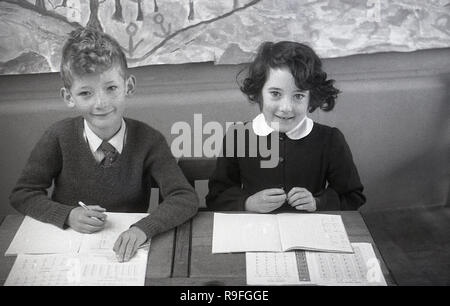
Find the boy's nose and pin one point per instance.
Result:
(100, 101)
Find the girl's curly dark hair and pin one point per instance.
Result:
(305, 66)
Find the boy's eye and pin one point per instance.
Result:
(84, 93)
(112, 88)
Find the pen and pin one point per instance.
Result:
(87, 208)
(144, 245)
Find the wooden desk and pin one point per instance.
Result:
(196, 265)
(159, 265)
(183, 256)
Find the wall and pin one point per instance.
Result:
(393, 112)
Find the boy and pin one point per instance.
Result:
(101, 157)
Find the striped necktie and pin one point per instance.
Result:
(110, 152)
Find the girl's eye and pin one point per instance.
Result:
(299, 97)
(275, 94)
(112, 88)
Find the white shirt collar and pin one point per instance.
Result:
(94, 141)
(303, 128)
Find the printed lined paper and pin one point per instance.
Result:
(334, 269)
(87, 269)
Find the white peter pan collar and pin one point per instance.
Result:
(303, 128)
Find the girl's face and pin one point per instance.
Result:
(284, 105)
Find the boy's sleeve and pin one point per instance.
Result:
(344, 190)
(180, 201)
(29, 196)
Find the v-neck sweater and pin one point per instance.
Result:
(63, 157)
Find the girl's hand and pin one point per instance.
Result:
(301, 199)
(128, 243)
(265, 200)
(87, 221)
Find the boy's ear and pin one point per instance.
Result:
(67, 97)
(131, 84)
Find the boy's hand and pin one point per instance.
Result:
(301, 199)
(87, 221)
(265, 200)
(128, 243)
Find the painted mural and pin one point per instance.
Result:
(151, 32)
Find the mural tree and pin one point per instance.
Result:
(182, 32)
(191, 10)
(40, 5)
(140, 15)
(117, 11)
(94, 21)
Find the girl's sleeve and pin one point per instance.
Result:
(344, 190)
(29, 196)
(225, 192)
(180, 202)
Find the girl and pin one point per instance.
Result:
(315, 169)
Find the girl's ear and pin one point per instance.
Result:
(131, 85)
(67, 97)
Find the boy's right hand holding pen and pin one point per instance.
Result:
(87, 219)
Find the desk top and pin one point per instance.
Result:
(201, 267)
(159, 264)
(183, 256)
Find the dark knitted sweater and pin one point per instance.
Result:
(62, 156)
(320, 162)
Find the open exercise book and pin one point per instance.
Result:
(315, 268)
(48, 255)
(279, 232)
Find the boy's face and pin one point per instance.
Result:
(100, 99)
(283, 104)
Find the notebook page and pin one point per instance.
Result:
(338, 269)
(277, 268)
(96, 269)
(116, 223)
(245, 233)
(35, 237)
(318, 232)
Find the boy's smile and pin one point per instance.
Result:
(100, 99)
(283, 104)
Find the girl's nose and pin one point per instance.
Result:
(286, 105)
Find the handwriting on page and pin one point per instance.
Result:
(334, 230)
(46, 270)
(35, 237)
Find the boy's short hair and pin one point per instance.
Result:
(303, 63)
(90, 51)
